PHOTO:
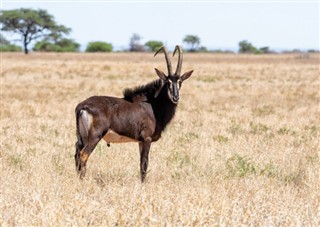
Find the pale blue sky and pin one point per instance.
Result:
(284, 25)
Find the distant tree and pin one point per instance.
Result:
(265, 50)
(154, 45)
(193, 41)
(293, 51)
(296, 51)
(99, 47)
(68, 45)
(313, 51)
(6, 46)
(134, 44)
(62, 45)
(203, 49)
(30, 25)
(246, 47)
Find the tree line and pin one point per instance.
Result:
(40, 27)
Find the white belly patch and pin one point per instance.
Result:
(113, 137)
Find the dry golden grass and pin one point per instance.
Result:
(243, 148)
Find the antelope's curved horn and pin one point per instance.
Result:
(179, 65)
(165, 51)
(180, 57)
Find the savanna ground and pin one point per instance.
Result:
(243, 148)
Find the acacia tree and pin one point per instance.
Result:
(31, 24)
(193, 41)
(154, 45)
(246, 47)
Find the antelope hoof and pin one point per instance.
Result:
(78, 166)
(143, 177)
(82, 173)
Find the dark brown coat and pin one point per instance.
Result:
(140, 116)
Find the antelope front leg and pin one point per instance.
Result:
(144, 148)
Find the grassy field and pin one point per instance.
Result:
(243, 148)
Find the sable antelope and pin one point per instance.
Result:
(140, 116)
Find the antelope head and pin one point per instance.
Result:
(172, 81)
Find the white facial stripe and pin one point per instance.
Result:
(173, 90)
(179, 83)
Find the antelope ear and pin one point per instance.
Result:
(186, 75)
(161, 74)
(159, 89)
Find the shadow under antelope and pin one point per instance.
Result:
(140, 116)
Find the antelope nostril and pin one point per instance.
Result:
(176, 98)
